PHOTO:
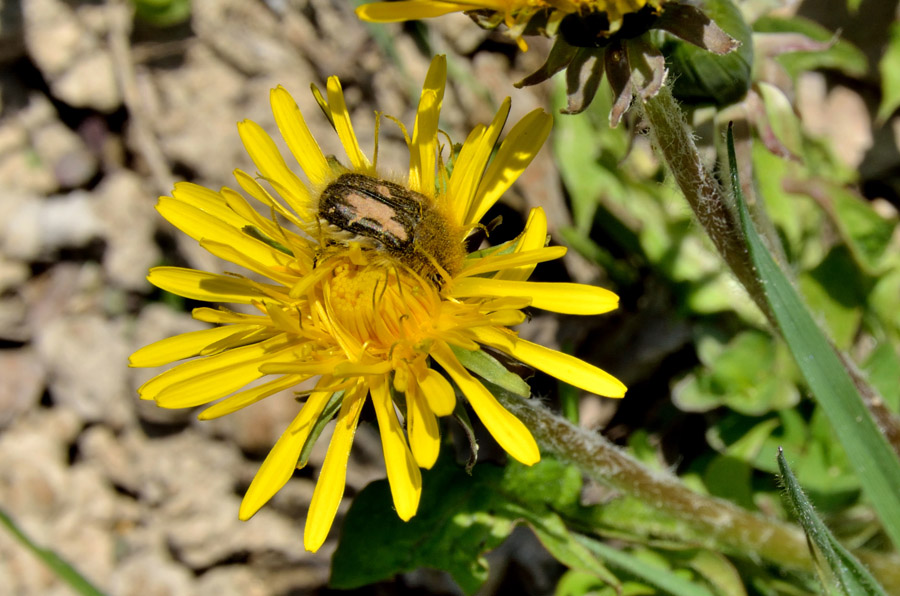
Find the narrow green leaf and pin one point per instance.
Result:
(57, 564)
(867, 449)
(328, 412)
(851, 577)
(490, 369)
(889, 67)
(665, 581)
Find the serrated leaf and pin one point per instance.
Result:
(830, 383)
(850, 576)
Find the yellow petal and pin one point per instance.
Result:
(407, 10)
(333, 477)
(200, 225)
(208, 201)
(348, 369)
(250, 396)
(201, 285)
(572, 299)
(271, 165)
(423, 151)
(298, 138)
(271, 267)
(344, 128)
(479, 265)
(213, 315)
(508, 430)
(279, 465)
(532, 238)
(562, 366)
(187, 370)
(212, 377)
(422, 426)
(186, 345)
(465, 179)
(402, 472)
(304, 367)
(255, 190)
(515, 153)
(438, 391)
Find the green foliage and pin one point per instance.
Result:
(48, 556)
(747, 374)
(701, 77)
(460, 518)
(162, 13)
(828, 380)
(843, 571)
(841, 56)
(889, 68)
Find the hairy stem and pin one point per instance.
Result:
(717, 215)
(722, 525)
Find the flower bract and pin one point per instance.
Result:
(361, 287)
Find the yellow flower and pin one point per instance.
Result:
(370, 291)
(515, 14)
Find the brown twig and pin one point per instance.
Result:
(121, 15)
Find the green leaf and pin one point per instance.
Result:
(328, 412)
(646, 571)
(460, 518)
(781, 117)
(57, 564)
(842, 56)
(850, 576)
(889, 67)
(490, 369)
(751, 374)
(865, 231)
(162, 13)
(835, 291)
(882, 366)
(865, 446)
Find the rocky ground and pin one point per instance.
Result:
(100, 115)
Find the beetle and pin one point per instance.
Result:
(404, 223)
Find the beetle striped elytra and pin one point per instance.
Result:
(404, 223)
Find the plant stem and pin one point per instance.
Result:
(723, 525)
(717, 215)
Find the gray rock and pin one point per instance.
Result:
(67, 44)
(86, 356)
(22, 386)
(125, 210)
(38, 228)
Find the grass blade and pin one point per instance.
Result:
(60, 567)
(827, 378)
(852, 578)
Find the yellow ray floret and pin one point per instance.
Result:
(362, 288)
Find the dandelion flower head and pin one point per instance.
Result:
(370, 293)
(519, 16)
